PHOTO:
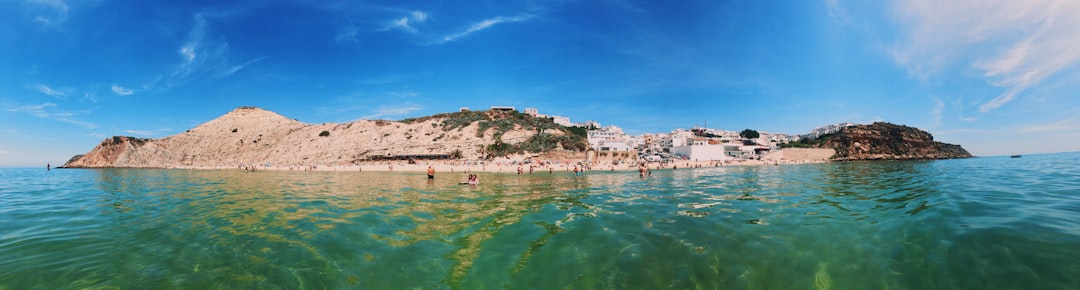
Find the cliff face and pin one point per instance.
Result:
(885, 141)
(255, 136)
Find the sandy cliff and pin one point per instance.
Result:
(250, 135)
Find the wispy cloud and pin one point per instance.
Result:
(837, 11)
(386, 79)
(55, 93)
(402, 95)
(36, 110)
(485, 24)
(1016, 44)
(349, 34)
(939, 106)
(154, 132)
(235, 68)
(202, 56)
(4, 152)
(96, 134)
(139, 132)
(407, 23)
(393, 111)
(46, 110)
(119, 90)
(55, 12)
(1061, 126)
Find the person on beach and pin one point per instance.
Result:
(641, 170)
(472, 180)
(48, 166)
(576, 172)
(430, 172)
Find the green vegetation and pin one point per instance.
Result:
(324, 133)
(536, 144)
(749, 134)
(498, 123)
(579, 131)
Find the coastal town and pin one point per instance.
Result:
(696, 143)
(499, 139)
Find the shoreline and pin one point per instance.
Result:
(485, 167)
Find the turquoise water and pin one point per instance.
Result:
(984, 223)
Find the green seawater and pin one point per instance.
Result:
(982, 223)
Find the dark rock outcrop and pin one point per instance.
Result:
(886, 141)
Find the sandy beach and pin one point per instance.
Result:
(504, 166)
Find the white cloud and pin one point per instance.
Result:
(837, 11)
(1017, 44)
(350, 34)
(5, 152)
(36, 110)
(139, 132)
(148, 132)
(419, 16)
(119, 90)
(406, 23)
(385, 79)
(1060, 126)
(45, 110)
(402, 95)
(57, 12)
(936, 111)
(59, 94)
(235, 68)
(202, 56)
(485, 24)
(393, 111)
(96, 134)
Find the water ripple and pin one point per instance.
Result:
(967, 224)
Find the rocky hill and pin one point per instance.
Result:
(885, 141)
(249, 135)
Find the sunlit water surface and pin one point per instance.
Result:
(984, 223)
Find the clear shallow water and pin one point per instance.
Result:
(985, 223)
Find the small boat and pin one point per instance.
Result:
(1015, 156)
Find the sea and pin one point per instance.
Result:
(979, 223)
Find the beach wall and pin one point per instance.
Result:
(802, 154)
(608, 156)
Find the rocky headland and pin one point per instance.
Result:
(886, 141)
(249, 135)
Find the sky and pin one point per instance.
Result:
(998, 77)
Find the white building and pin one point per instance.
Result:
(560, 120)
(828, 129)
(611, 138)
(676, 138)
(705, 152)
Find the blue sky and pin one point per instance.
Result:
(998, 77)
